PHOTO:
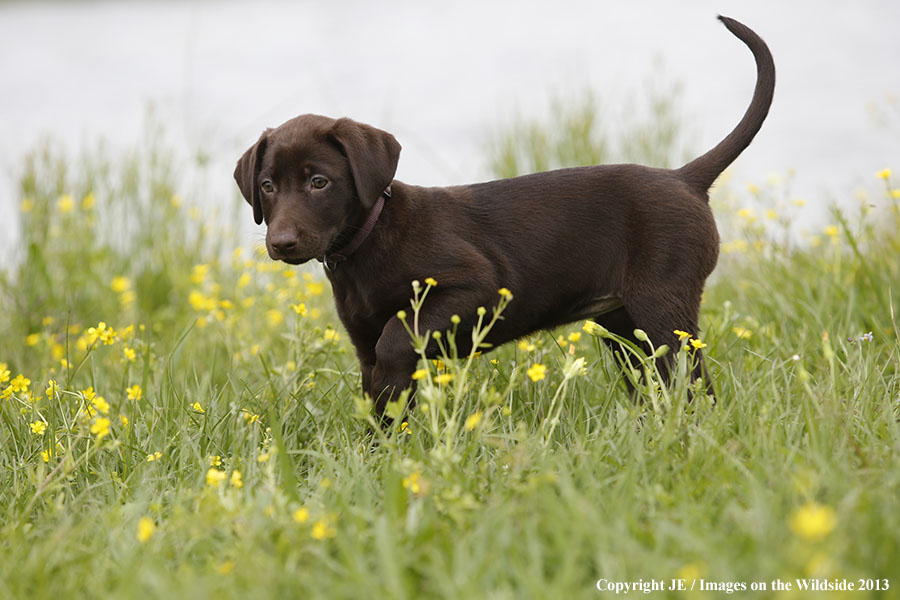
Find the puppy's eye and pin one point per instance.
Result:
(267, 186)
(318, 182)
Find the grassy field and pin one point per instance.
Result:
(181, 418)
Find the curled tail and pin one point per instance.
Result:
(701, 172)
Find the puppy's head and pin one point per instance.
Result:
(312, 179)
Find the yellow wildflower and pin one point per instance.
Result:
(574, 336)
(134, 392)
(236, 480)
(430, 281)
(4, 372)
(526, 346)
(742, 332)
(120, 284)
(697, 344)
(832, 231)
(681, 334)
(301, 515)
(299, 308)
(323, 529)
(19, 384)
(124, 420)
(197, 408)
(32, 339)
(154, 456)
(536, 372)
(146, 528)
(315, 288)
(199, 273)
(87, 203)
(214, 477)
(443, 378)
(812, 521)
(65, 204)
(100, 404)
(38, 428)
(52, 389)
(473, 421)
(505, 293)
(215, 461)
(419, 374)
(100, 428)
(130, 354)
(884, 174)
(274, 317)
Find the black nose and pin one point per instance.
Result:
(284, 243)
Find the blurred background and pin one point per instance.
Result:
(447, 79)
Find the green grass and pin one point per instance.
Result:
(505, 487)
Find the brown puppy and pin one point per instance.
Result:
(626, 245)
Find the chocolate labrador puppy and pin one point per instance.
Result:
(626, 245)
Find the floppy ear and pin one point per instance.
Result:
(247, 170)
(372, 154)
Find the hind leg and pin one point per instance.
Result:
(659, 316)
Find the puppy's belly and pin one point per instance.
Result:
(597, 306)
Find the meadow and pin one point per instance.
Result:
(182, 417)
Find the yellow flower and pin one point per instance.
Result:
(199, 273)
(747, 213)
(473, 421)
(742, 332)
(771, 215)
(145, 530)
(52, 389)
(19, 384)
(331, 336)
(263, 457)
(120, 284)
(134, 392)
(430, 281)
(101, 332)
(236, 480)
(832, 231)
(536, 372)
(27, 205)
(244, 280)
(100, 404)
(697, 344)
(526, 346)
(65, 204)
(884, 174)
(301, 515)
(299, 308)
(416, 484)
(4, 372)
(323, 529)
(812, 521)
(154, 456)
(274, 317)
(505, 293)
(32, 339)
(124, 420)
(443, 378)
(46, 455)
(214, 477)
(130, 354)
(404, 428)
(88, 394)
(574, 336)
(592, 328)
(420, 374)
(681, 334)
(38, 428)
(315, 288)
(100, 428)
(197, 408)
(87, 203)
(215, 461)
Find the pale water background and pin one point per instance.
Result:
(444, 76)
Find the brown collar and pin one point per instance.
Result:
(333, 259)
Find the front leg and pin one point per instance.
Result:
(395, 358)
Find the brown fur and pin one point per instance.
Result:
(626, 245)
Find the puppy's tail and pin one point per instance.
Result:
(701, 172)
